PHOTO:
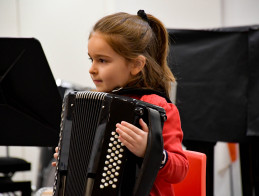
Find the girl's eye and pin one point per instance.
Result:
(102, 60)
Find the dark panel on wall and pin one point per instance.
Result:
(218, 82)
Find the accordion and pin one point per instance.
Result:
(92, 160)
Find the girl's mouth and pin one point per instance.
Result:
(97, 81)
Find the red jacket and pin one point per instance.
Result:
(177, 164)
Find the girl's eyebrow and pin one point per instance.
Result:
(99, 55)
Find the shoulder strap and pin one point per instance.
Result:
(139, 91)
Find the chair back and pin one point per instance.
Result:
(194, 183)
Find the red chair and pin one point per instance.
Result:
(194, 183)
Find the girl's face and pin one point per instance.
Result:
(108, 70)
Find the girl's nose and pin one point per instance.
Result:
(92, 69)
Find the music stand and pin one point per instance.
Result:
(30, 103)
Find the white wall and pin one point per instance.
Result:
(177, 14)
(240, 12)
(62, 27)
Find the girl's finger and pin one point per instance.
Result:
(143, 125)
(126, 129)
(54, 164)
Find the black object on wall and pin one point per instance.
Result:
(30, 103)
(217, 94)
(218, 82)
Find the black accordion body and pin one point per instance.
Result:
(92, 161)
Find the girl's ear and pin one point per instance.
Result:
(138, 64)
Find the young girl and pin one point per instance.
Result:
(130, 51)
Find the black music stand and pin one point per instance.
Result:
(30, 105)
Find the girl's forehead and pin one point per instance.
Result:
(98, 42)
(98, 46)
(96, 35)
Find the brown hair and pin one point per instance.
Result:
(131, 36)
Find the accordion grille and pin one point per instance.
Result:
(87, 109)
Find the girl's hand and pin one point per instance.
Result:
(132, 137)
(55, 155)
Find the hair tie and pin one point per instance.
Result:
(143, 15)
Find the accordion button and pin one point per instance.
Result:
(118, 168)
(116, 173)
(101, 186)
(107, 178)
(112, 154)
(110, 144)
(111, 160)
(117, 152)
(106, 184)
(115, 180)
(106, 162)
(112, 138)
(110, 166)
(110, 182)
(113, 133)
(103, 180)
(113, 170)
(108, 156)
(112, 176)
(109, 150)
(121, 150)
(115, 158)
(119, 162)
(105, 168)
(109, 172)
(114, 186)
(104, 174)
(114, 164)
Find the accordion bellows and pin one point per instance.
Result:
(92, 160)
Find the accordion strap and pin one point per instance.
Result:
(139, 91)
(153, 155)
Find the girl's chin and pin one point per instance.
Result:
(99, 89)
